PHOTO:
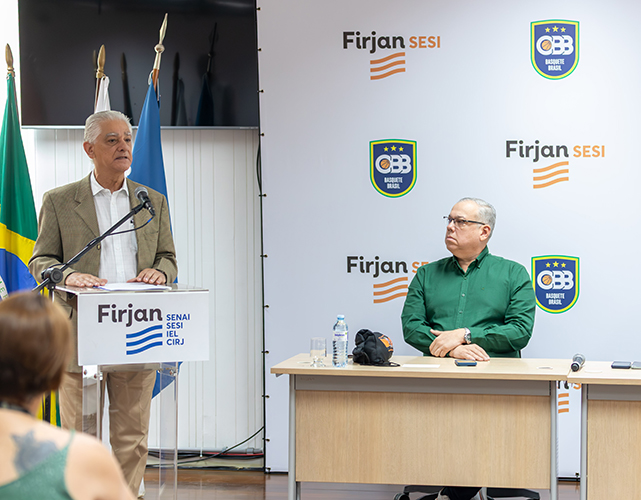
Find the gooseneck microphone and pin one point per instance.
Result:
(577, 362)
(143, 196)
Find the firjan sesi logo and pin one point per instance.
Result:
(385, 64)
(556, 282)
(555, 47)
(395, 275)
(393, 166)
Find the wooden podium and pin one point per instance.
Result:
(426, 422)
(137, 328)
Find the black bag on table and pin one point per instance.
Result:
(373, 348)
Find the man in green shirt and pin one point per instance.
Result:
(472, 305)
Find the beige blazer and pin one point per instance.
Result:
(68, 222)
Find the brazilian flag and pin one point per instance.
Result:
(18, 223)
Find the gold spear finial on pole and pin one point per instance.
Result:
(159, 50)
(100, 71)
(9, 56)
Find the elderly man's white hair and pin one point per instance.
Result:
(486, 212)
(93, 123)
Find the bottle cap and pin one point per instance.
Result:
(340, 316)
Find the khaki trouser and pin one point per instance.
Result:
(129, 409)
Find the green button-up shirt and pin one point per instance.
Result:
(494, 299)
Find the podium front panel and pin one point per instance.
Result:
(142, 327)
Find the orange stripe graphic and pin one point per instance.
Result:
(552, 182)
(564, 395)
(564, 410)
(387, 66)
(549, 175)
(545, 169)
(397, 280)
(385, 75)
(564, 402)
(379, 301)
(385, 59)
(543, 177)
(385, 292)
(401, 284)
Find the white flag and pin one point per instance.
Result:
(102, 99)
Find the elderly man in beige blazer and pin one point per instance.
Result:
(70, 217)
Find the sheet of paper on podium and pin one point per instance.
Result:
(133, 287)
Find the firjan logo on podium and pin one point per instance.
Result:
(144, 337)
(145, 328)
(393, 166)
(144, 340)
(555, 47)
(556, 282)
(152, 336)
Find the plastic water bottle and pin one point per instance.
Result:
(339, 342)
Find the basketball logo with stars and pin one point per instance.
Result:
(393, 166)
(556, 282)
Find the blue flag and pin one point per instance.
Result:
(147, 166)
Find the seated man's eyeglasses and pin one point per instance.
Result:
(459, 223)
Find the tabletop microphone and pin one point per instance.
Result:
(577, 362)
(142, 195)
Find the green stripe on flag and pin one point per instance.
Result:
(17, 210)
(18, 224)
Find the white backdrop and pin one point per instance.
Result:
(461, 101)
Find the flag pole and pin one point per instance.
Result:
(159, 50)
(9, 57)
(100, 72)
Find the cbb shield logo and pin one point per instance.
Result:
(393, 166)
(555, 47)
(556, 282)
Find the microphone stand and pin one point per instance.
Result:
(53, 275)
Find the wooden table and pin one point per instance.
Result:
(426, 422)
(610, 431)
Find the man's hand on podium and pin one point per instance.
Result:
(84, 280)
(151, 276)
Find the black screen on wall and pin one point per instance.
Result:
(59, 40)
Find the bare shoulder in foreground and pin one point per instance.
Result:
(93, 473)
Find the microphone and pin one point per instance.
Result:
(577, 362)
(142, 195)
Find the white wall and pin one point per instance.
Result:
(215, 207)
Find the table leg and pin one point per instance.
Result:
(583, 489)
(554, 491)
(293, 486)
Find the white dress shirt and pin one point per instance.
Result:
(118, 255)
